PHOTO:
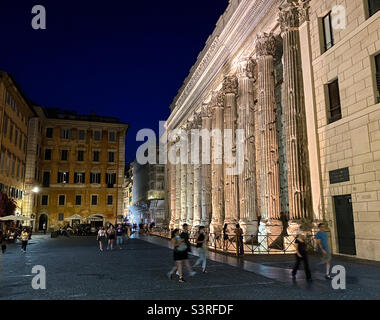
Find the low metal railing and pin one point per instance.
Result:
(252, 244)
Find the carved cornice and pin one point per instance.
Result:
(245, 68)
(265, 45)
(230, 85)
(293, 13)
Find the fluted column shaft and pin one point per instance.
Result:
(178, 194)
(190, 180)
(269, 166)
(217, 168)
(231, 196)
(206, 172)
(197, 175)
(294, 112)
(172, 191)
(247, 179)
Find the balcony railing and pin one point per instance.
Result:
(252, 244)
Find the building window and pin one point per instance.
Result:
(95, 156)
(94, 200)
(46, 179)
(65, 133)
(49, 132)
(334, 107)
(11, 133)
(64, 155)
(47, 154)
(79, 177)
(82, 135)
(95, 177)
(44, 200)
(110, 179)
(80, 155)
(16, 137)
(111, 156)
(78, 200)
(373, 7)
(61, 216)
(61, 200)
(109, 199)
(327, 32)
(5, 126)
(377, 65)
(97, 135)
(63, 177)
(112, 136)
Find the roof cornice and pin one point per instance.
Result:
(228, 37)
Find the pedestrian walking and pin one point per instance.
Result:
(301, 255)
(239, 240)
(24, 239)
(3, 242)
(101, 237)
(111, 237)
(119, 236)
(180, 255)
(202, 242)
(324, 248)
(175, 240)
(185, 236)
(225, 237)
(44, 227)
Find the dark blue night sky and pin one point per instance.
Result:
(117, 58)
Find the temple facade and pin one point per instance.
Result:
(295, 76)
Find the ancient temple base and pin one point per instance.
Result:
(250, 230)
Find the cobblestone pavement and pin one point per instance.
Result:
(75, 269)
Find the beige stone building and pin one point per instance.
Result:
(302, 79)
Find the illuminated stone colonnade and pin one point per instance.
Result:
(244, 97)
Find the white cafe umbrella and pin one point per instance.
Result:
(95, 217)
(16, 218)
(75, 217)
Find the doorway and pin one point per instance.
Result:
(43, 220)
(345, 224)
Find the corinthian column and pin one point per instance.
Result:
(294, 112)
(247, 179)
(230, 87)
(269, 169)
(190, 179)
(183, 185)
(172, 191)
(178, 192)
(206, 166)
(196, 152)
(217, 168)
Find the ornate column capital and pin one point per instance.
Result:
(230, 85)
(206, 111)
(217, 100)
(245, 68)
(265, 44)
(293, 13)
(197, 120)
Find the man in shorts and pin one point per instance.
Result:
(119, 236)
(324, 249)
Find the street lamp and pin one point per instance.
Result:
(36, 189)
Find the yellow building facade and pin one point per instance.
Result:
(15, 113)
(82, 168)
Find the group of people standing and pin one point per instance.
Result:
(110, 234)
